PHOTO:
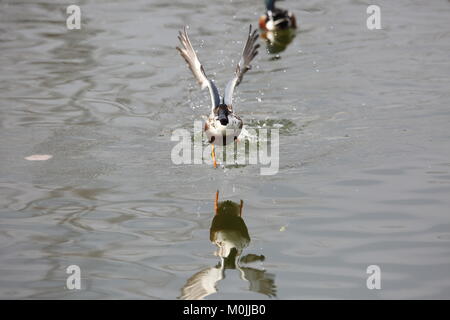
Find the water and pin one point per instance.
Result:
(364, 173)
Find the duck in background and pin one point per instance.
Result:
(229, 233)
(278, 27)
(276, 18)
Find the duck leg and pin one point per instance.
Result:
(216, 203)
(240, 208)
(213, 155)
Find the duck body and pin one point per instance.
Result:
(220, 134)
(276, 19)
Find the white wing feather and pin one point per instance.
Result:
(250, 51)
(188, 53)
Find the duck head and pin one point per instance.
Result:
(270, 5)
(222, 112)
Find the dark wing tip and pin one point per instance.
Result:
(254, 36)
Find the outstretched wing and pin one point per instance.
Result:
(260, 281)
(250, 51)
(188, 53)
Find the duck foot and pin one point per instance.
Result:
(213, 155)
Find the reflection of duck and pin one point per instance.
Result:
(228, 230)
(277, 41)
(230, 234)
(222, 125)
(276, 18)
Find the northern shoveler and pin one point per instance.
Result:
(222, 125)
(276, 18)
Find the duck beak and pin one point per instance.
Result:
(223, 116)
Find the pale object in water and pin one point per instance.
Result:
(39, 157)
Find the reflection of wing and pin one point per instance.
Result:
(250, 51)
(260, 281)
(188, 53)
(249, 258)
(201, 284)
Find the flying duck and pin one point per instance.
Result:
(222, 125)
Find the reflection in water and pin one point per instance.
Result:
(230, 234)
(277, 41)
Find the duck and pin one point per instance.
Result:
(223, 125)
(276, 19)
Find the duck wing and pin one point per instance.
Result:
(201, 284)
(187, 52)
(250, 51)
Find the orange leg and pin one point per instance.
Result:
(216, 202)
(213, 155)
(240, 208)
